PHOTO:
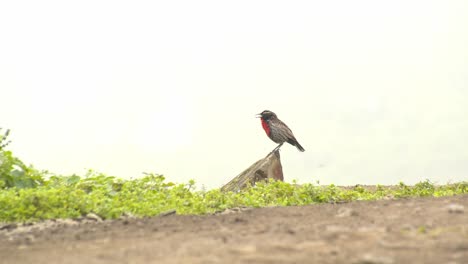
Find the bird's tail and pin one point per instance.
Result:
(299, 147)
(294, 142)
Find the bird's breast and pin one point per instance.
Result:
(266, 127)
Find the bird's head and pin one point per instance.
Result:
(266, 115)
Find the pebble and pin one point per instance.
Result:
(93, 216)
(8, 226)
(456, 208)
(170, 212)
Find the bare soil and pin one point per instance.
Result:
(422, 230)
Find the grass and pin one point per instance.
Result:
(110, 197)
(28, 195)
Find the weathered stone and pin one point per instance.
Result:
(456, 208)
(266, 168)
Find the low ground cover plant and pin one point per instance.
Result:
(27, 194)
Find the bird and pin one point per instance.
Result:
(278, 131)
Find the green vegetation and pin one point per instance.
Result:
(29, 195)
(110, 197)
(13, 172)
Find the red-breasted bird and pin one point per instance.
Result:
(277, 131)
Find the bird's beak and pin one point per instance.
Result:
(258, 115)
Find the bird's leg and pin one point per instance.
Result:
(279, 146)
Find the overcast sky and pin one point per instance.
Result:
(375, 91)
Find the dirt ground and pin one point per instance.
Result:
(423, 230)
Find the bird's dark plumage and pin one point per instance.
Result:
(276, 130)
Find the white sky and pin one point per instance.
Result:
(375, 91)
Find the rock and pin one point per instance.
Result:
(233, 210)
(93, 216)
(170, 212)
(455, 208)
(8, 227)
(128, 215)
(266, 168)
(229, 211)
